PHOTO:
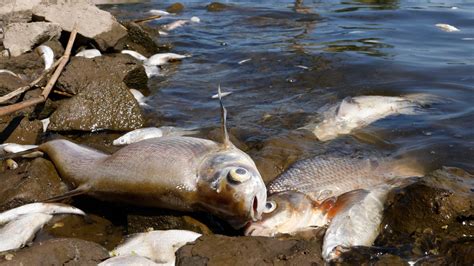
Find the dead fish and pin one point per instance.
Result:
(446, 27)
(89, 53)
(159, 12)
(17, 148)
(357, 224)
(45, 208)
(129, 260)
(357, 112)
(23, 222)
(195, 19)
(163, 58)
(152, 132)
(179, 173)
(48, 55)
(21, 231)
(134, 54)
(215, 96)
(139, 97)
(326, 176)
(243, 61)
(151, 71)
(159, 246)
(175, 24)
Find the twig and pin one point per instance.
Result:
(146, 19)
(63, 93)
(62, 63)
(31, 85)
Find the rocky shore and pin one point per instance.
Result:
(430, 218)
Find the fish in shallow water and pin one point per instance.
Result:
(159, 246)
(325, 176)
(48, 55)
(357, 112)
(179, 173)
(152, 132)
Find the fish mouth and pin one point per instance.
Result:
(254, 210)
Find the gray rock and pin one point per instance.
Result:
(104, 104)
(138, 40)
(22, 37)
(90, 21)
(62, 251)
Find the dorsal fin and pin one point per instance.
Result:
(225, 136)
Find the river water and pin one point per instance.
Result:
(294, 60)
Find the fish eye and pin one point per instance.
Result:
(238, 175)
(270, 206)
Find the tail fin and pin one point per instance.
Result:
(423, 99)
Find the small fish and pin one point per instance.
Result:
(446, 27)
(89, 53)
(141, 99)
(163, 58)
(244, 60)
(23, 222)
(357, 112)
(158, 246)
(303, 67)
(175, 24)
(134, 54)
(129, 260)
(152, 132)
(45, 208)
(159, 12)
(15, 148)
(48, 55)
(357, 224)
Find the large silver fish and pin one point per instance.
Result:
(325, 176)
(180, 173)
(357, 112)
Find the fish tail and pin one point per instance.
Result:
(408, 166)
(422, 99)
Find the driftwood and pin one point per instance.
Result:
(47, 89)
(146, 19)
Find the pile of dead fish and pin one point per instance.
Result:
(166, 168)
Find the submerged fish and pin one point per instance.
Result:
(446, 27)
(357, 112)
(163, 58)
(152, 132)
(158, 246)
(141, 99)
(325, 176)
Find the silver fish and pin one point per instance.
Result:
(89, 53)
(152, 132)
(357, 112)
(159, 246)
(325, 176)
(129, 260)
(48, 55)
(163, 58)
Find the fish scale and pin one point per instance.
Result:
(325, 176)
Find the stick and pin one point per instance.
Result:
(42, 98)
(29, 86)
(146, 19)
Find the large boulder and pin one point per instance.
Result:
(22, 37)
(63, 251)
(104, 104)
(90, 22)
(82, 72)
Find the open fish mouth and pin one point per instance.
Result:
(254, 211)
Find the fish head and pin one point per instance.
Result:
(231, 187)
(288, 212)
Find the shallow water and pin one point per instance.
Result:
(303, 58)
